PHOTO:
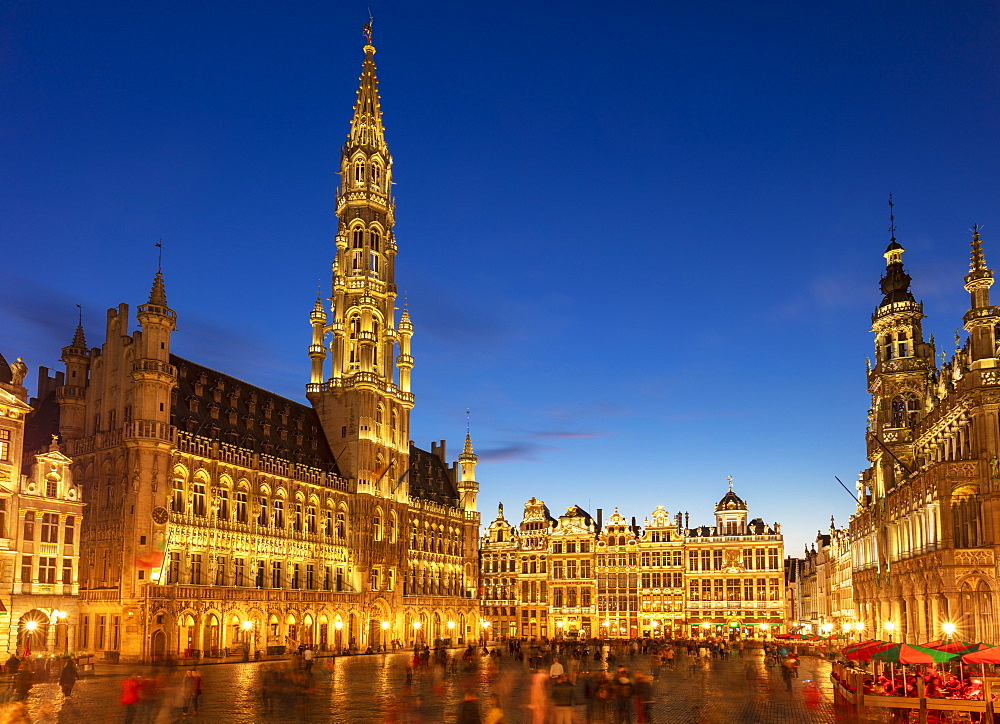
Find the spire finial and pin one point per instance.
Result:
(79, 341)
(468, 434)
(730, 479)
(892, 220)
(367, 32)
(978, 262)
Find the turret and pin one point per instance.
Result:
(981, 320)
(72, 396)
(152, 374)
(317, 351)
(468, 488)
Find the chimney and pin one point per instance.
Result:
(634, 528)
(600, 518)
(687, 519)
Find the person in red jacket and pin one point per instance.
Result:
(130, 696)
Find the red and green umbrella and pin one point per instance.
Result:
(907, 654)
(865, 653)
(987, 655)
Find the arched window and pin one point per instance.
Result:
(392, 528)
(376, 239)
(311, 519)
(241, 506)
(376, 174)
(357, 237)
(373, 263)
(341, 524)
(912, 410)
(898, 411)
(377, 526)
(198, 497)
(359, 172)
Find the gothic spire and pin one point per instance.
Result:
(366, 125)
(79, 340)
(158, 294)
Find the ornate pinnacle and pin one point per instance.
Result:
(158, 294)
(978, 261)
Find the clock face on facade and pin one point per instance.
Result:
(160, 514)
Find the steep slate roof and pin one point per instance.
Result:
(201, 391)
(431, 479)
(41, 424)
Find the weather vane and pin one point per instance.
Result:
(159, 254)
(892, 220)
(367, 32)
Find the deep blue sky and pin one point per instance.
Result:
(641, 241)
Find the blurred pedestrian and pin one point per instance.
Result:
(192, 690)
(494, 714)
(562, 700)
(468, 710)
(68, 677)
(130, 696)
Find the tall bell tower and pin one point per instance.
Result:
(360, 386)
(900, 382)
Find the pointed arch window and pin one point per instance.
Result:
(376, 174)
(359, 172)
(376, 239)
(357, 238)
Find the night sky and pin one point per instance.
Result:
(640, 241)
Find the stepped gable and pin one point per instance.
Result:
(214, 405)
(430, 478)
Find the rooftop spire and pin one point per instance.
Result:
(896, 282)
(158, 294)
(79, 340)
(978, 261)
(366, 125)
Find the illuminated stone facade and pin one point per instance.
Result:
(576, 577)
(925, 534)
(227, 517)
(41, 514)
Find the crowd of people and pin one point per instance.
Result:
(557, 682)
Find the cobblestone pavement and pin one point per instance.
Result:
(372, 689)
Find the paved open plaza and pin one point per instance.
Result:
(374, 688)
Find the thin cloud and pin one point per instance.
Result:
(517, 452)
(569, 434)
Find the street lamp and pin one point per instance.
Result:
(57, 617)
(890, 626)
(949, 629)
(247, 626)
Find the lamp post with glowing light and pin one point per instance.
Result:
(416, 632)
(385, 629)
(949, 630)
(890, 626)
(339, 626)
(247, 627)
(57, 618)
